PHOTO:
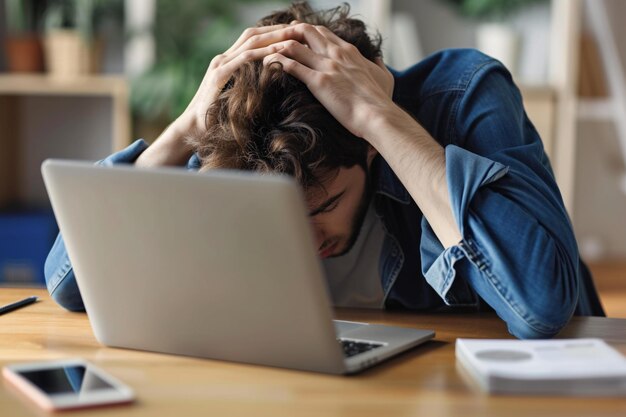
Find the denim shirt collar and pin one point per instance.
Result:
(194, 163)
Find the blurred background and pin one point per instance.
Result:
(81, 79)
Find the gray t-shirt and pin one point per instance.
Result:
(354, 278)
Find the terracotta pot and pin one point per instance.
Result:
(69, 55)
(24, 53)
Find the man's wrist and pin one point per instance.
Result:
(171, 147)
(188, 124)
(381, 123)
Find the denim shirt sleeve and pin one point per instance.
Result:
(518, 251)
(58, 271)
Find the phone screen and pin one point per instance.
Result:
(75, 379)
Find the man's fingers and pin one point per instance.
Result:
(272, 35)
(304, 48)
(225, 71)
(331, 36)
(258, 40)
(301, 32)
(307, 34)
(292, 67)
(260, 37)
(297, 51)
(248, 33)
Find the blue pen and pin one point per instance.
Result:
(18, 304)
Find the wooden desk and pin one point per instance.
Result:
(423, 381)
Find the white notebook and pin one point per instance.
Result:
(544, 367)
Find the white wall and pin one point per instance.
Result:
(59, 127)
(617, 15)
(599, 204)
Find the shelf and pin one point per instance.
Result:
(41, 84)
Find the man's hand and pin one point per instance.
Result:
(352, 88)
(357, 92)
(254, 44)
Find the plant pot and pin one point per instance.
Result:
(24, 53)
(69, 55)
(499, 41)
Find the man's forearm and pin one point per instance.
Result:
(170, 148)
(419, 162)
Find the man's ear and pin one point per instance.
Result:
(371, 154)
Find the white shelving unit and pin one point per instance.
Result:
(566, 21)
(590, 141)
(613, 108)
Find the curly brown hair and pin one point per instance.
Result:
(268, 121)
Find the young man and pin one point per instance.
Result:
(428, 189)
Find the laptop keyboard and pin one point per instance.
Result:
(352, 347)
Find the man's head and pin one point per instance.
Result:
(268, 121)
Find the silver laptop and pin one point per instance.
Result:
(218, 265)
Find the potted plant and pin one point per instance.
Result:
(71, 45)
(22, 44)
(494, 35)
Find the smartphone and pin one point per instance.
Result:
(67, 384)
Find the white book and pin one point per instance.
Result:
(544, 367)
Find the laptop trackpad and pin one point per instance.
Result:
(342, 328)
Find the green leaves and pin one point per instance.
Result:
(83, 15)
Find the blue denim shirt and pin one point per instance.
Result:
(518, 254)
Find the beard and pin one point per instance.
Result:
(359, 218)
